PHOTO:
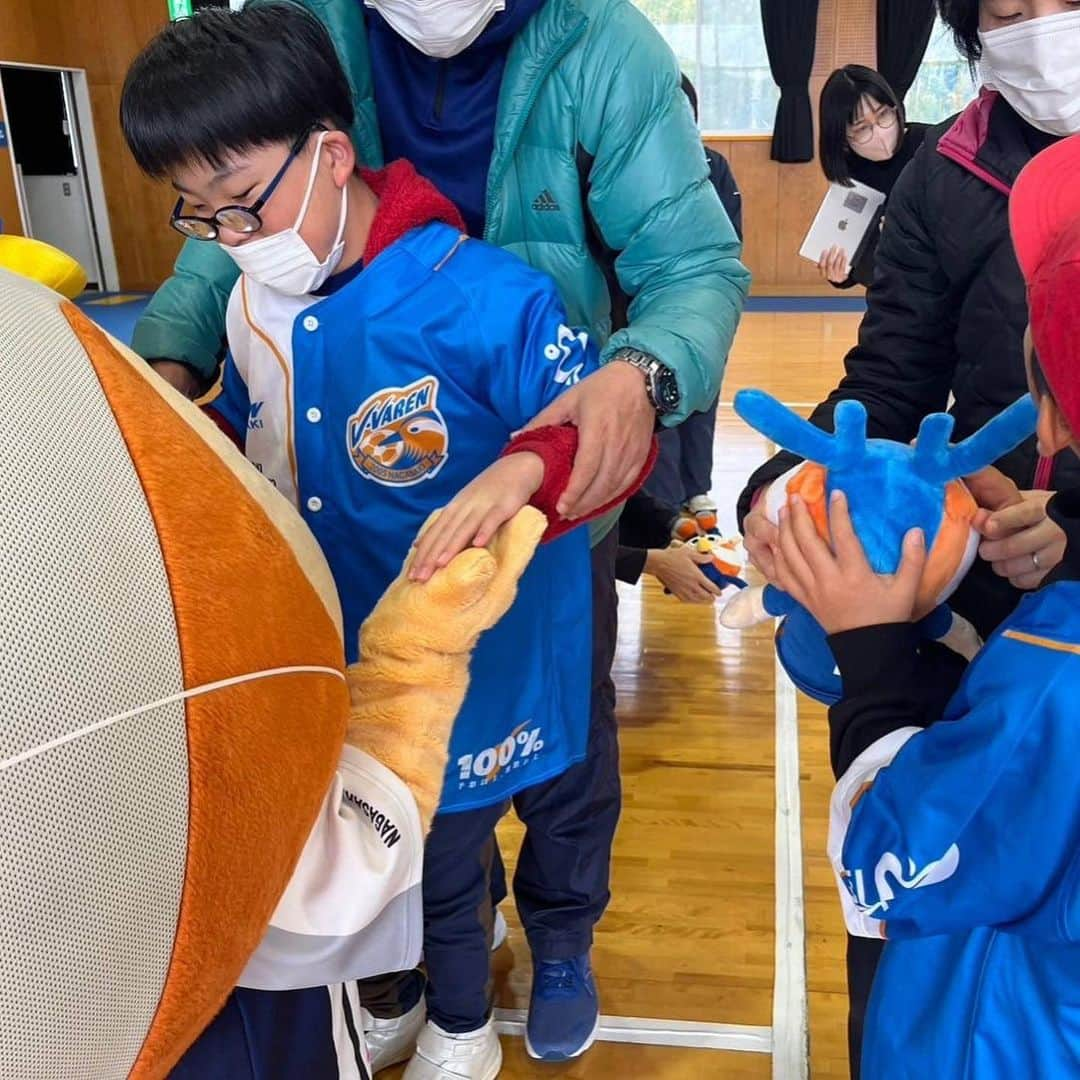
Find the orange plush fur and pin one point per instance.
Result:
(413, 671)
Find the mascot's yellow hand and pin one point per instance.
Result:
(409, 684)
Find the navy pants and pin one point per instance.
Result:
(561, 884)
(684, 466)
(316, 1034)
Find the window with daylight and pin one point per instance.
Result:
(721, 48)
(944, 84)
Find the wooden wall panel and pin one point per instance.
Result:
(18, 31)
(18, 28)
(9, 200)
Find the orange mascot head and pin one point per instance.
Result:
(172, 708)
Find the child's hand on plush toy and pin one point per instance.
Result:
(838, 587)
(478, 511)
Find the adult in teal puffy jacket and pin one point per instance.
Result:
(561, 130)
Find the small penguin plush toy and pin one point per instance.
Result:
(891, 488)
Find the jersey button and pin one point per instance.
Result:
(314, 415)
(311, 323)
(314, 504)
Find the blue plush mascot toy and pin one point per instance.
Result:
(891, 488)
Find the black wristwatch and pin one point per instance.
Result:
(660, 382)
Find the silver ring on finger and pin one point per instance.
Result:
(1035, 560)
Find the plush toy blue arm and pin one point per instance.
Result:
(938, 461)
(777, 602)
(934, 458)
(789, 430)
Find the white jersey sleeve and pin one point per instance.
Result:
(353, 906)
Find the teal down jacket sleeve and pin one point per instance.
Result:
(652, 199)
(185, 319)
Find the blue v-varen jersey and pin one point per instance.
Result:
(374, 406)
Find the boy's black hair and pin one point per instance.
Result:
(962, 18)
(839, 108)
(224, 82)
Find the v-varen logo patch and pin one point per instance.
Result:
(398, 437)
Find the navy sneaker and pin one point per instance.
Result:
(564, 1011)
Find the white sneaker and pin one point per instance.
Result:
(392, 1041)
(499, 931)
(476, 1055)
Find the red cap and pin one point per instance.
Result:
(1044, 210)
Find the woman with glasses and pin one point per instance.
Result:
(864, 137)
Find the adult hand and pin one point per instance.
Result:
(615, 422)
(992, 490)
(837, 585)
(678, 570)
(179, 376)
(1021, 542)
(834, 265)
(761, 537)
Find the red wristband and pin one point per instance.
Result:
(557, 448)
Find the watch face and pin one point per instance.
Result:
(667, 390)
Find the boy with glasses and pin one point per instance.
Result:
(379, 362)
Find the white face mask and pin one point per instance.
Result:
(1035, 66)
(438, 28)
(284, 261)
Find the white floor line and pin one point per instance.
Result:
(646, 1031)
(790, 1025)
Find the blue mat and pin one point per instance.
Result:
(116, 313)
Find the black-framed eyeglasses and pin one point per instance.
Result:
(239, 219)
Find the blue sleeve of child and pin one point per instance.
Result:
(233, 404)
(972, 822)
(533, 352)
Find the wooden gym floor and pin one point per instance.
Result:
(707, 739)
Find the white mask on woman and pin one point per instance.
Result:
(438, 28)
(1035, 66)
(284, 261)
